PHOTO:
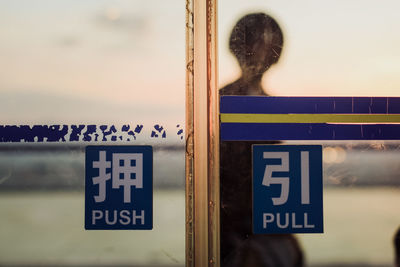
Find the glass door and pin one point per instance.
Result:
(347, 49)
(79, 73)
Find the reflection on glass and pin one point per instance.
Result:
(329, 50)
(256, 41)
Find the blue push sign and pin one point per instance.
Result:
(287, 189)
(119, 188)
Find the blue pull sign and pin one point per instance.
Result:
(287, 189)
(119, 188)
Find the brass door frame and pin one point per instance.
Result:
(202, 135)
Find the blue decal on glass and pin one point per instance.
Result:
(91, 130)
(119, 188)
(77, 133)
(287, 189)
(309, 105)
(308, 131)
(180, 131)
(159, 130)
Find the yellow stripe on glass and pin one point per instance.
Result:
(309, 118)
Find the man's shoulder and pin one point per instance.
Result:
(230, 89)
(240, 88)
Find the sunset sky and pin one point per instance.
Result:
(124, 61)
(331, 47)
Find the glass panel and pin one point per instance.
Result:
(361, 192)
(313, 48)
(76, 64)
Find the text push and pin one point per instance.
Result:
(119, 187)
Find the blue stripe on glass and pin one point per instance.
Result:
(310, 105)
(308, 131)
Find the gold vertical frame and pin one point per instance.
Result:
(189, 155)
(202, 135)
(213, 136)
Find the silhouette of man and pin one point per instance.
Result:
(256, 41)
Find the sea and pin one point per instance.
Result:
(42, 210)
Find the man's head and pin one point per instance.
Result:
(256, 41)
